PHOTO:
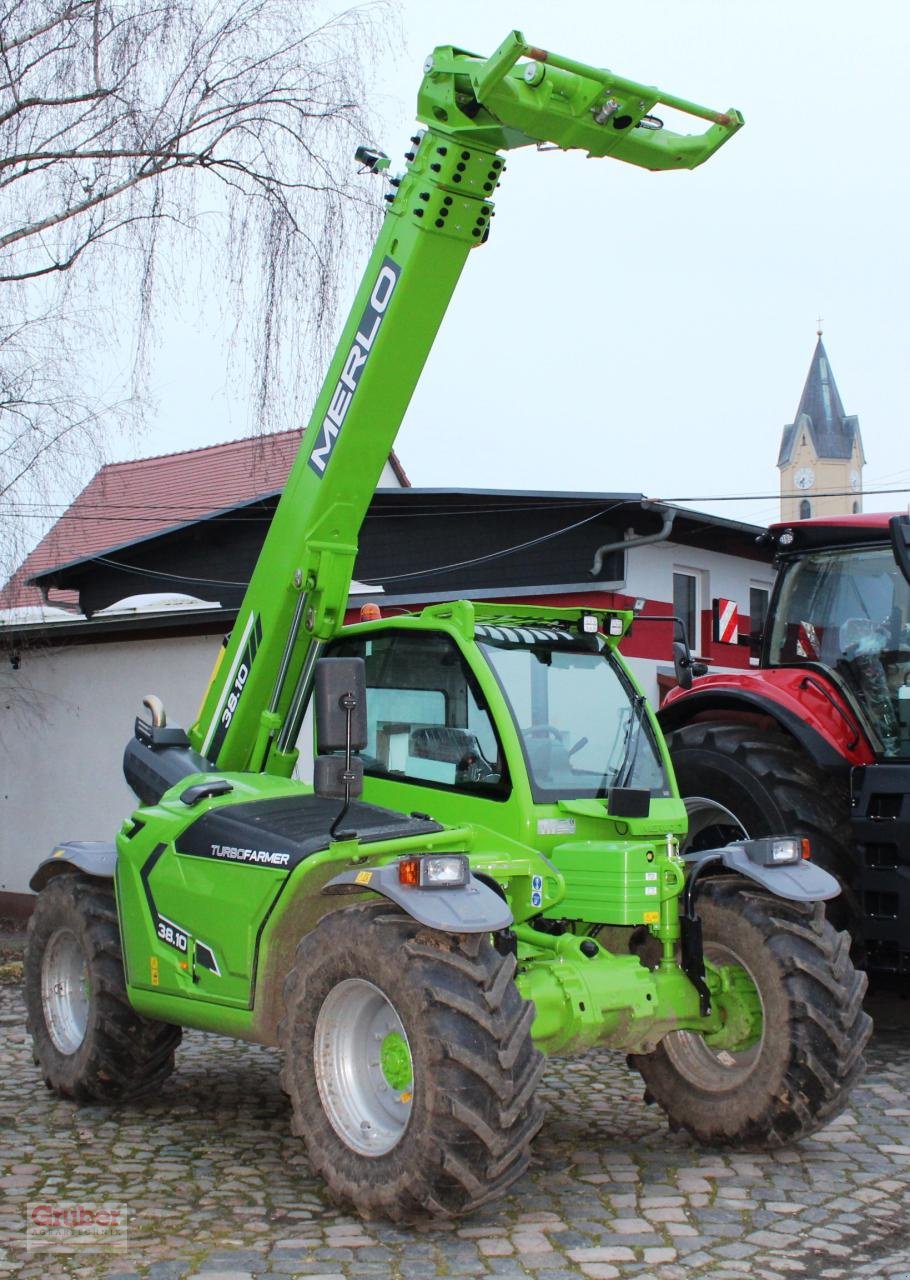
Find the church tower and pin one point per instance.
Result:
(821, 453)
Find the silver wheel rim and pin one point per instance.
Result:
(362, 1061)
(65, 991)
(706, 817)
(715, 1070)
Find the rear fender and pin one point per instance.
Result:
(803, 703)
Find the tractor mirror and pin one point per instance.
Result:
(341, 705)
(682, 664)
(900, 541)
(334, 778)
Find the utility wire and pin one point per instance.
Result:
(140, 571)
(134, 511)
(493, 555)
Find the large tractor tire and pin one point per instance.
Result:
(409, 1064)
(89, 1043)
(740, 781)
(806, 1053)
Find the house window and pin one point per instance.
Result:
(805, 509)
(685, 604)
(758, 609)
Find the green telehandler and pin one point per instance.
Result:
(486, 869)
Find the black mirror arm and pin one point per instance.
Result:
(348, 703)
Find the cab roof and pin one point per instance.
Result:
(792, 536)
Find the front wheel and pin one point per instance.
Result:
(409, 1064)
(801, 1027)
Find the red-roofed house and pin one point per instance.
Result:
(126, 502)
(157, 554)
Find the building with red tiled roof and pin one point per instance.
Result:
(158, 554)
(126, 502)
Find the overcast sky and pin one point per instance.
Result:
(628, 331)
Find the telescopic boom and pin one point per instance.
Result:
(473, 109)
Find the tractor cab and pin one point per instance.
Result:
(842, 603)
(519, 716)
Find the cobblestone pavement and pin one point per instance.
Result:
(217, 1188)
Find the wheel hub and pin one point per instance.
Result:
(395, 1061)
(724, 1059)
(736, 998)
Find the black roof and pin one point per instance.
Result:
(415, 546)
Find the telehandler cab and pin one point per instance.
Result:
(487, 867)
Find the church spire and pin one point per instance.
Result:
(833, 434)
(821, 450)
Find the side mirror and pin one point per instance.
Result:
(900, 542)
(341, 705)
(335, 778)
(682, 664)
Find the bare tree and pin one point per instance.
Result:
(141, 138)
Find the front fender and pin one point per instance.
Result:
(801, 881)
(473, 908)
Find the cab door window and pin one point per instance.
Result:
(426, 718)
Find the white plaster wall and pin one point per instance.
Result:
(67, 714)
(65, 718)
(649, 572)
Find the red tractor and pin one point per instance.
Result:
(816, 740)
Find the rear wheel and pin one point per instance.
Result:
(738, 782)
(89, 1042)
(409, 1064)
(794, 1015)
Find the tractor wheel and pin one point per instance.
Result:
(738, 781)
(409, 1063)
(805, 1015)
(89, 1043)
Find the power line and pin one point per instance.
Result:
(792, 493)
(133, 512)
(143, 572)
(140, 572)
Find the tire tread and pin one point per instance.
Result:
(479, 1115)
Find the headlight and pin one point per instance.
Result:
(777, 851)
(435, 871)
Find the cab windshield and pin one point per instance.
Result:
(583, 728)
(850, 610)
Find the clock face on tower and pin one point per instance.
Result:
(804, 478)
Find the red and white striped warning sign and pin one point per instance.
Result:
(726, 621)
